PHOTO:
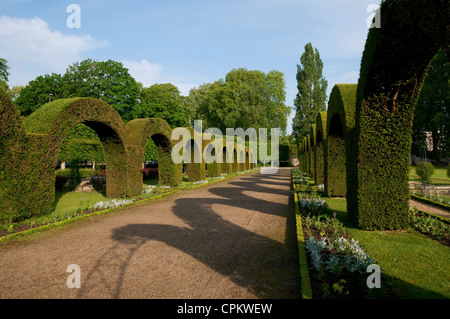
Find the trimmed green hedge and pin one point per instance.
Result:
(393, 67)
(312, 136)
(321, 136)
(340, 128)
(140, 131)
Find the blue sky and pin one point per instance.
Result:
(186, 43)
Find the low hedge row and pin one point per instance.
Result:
(431, 202)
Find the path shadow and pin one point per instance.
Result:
(268, 268)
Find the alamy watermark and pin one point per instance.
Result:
(190, 149)
(74, 19)
(374, 280)
(374, 19)
(74, 279)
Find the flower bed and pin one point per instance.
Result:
(431, 226)
(337, 264)
(303, 183)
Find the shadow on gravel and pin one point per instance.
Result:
(266, 267)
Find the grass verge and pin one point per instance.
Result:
(415, 266)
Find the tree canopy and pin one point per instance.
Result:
(106, 80)
(432, 113)
(311, 96)
(4, 74)
(163, 101)
(245, 98)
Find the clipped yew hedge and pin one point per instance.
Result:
(313, 140)
(321, 136)
(139, 132)
(12, 147)
(340, 128)
(393, 66)
(53, 121)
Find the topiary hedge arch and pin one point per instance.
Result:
(12, 162)
(393, 66)
(313, 141)
(340, 125)
(321, 136)
(31, 172)
(139, 132)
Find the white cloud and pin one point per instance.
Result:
(30, 46)
(151, 73)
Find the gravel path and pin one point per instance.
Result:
(429, 208)
(230, 239)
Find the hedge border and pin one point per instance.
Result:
(393, 66)
(431, 202)
(342, 103)
(305, 279)
(321, 129)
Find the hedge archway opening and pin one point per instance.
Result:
(140, 132)
(46, 130)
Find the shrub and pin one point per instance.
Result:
(393, 67)
(425, 170)
(321, 136)
(340, 128)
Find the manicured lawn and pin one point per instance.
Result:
(439, 177)
(414, 265)
(69, 202)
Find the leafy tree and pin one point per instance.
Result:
(425, 170)
(4, 74)
(432, 111)
(105, 80)
(108, 80)
(163, 101)
(244, 99)
(14, 92)
(311, 96)
(40, 91)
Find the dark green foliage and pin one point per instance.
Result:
(40, 91)
(84, 133)
(107, 80)
(393, 66)
(11, 155)
(140, 131)
(335, 176)
(311, 95)
(321, 136)
(432, 110)
(4, 74)
(75, 177)
(313, 142)
(80, 150)
(246, 98)
(340, 127)
(28, 176)
(425, 170)
(163, 101)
